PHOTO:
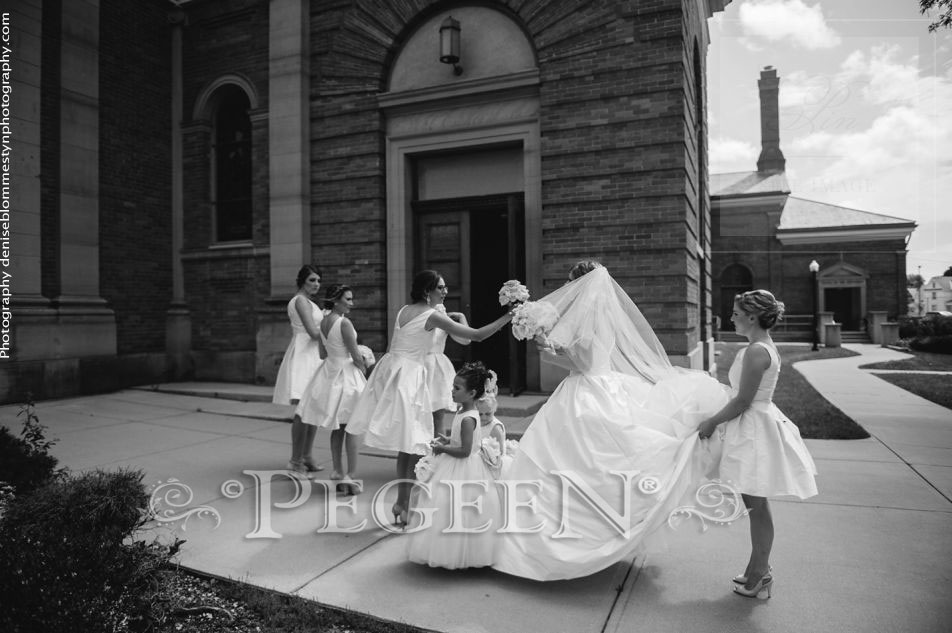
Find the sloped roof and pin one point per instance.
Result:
(943, 282)
(748, 183)
(799, 213)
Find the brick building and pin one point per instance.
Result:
(764, 237)
(179, 161)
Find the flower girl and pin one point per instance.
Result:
(497, 451)
(468, 539)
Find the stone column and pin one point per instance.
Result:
(25, 265)
(289, 143)
(876, 319)
(178, 320)
(289, 180)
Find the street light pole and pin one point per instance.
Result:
(814, 269)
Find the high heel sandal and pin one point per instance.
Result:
(399, 516)
(311, 466)
(741, 579)
(348, 486)
(762, 586)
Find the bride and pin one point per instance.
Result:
(614, 451)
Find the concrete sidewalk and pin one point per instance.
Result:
(871, 553)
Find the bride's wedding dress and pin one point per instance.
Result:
(614, 451)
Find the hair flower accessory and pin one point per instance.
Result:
(513, 292)
(491, 388)
(532, 319)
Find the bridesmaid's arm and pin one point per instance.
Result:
(349, 335)
(455, 329)
(466, 430)
(756, 362)
(303, 307)
(460, 318)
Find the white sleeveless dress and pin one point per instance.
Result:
(439, 371)
(454, 550)
(330, 397)
(763, 453)
(393, 412)
(301, 359)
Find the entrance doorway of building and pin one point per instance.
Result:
(735, 279)
(845, 304)
(476, 244)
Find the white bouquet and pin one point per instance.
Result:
(367, 355)
(490, 451)
(424, 468)
(532, 319)
(513, 292)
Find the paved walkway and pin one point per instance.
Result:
(870, 554)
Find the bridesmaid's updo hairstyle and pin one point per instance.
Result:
(333, 294)
(761, 304)
(583, 267)
(305, 272)
(474, 375)
(425, 281)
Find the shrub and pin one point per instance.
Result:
(936, 344)
(68, 558)
(25, 462)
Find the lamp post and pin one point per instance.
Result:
(814, 269)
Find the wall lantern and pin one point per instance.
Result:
(449, 44)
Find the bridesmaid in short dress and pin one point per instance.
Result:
(394, 412)
(300, 361)
(439, 368)
(763, 454)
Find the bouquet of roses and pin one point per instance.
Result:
(513, 292)
(532, 319)
(367, 355)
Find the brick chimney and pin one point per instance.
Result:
(771, 158)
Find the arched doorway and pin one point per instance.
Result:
(734, 280)
(463, 185)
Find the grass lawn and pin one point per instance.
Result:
(920, 361)
(932, 387)
(814, 415)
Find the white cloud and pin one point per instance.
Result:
(728, 154)
(799, 89)
(777, 20)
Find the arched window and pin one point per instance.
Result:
(232, 165)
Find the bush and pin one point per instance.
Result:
(68, 560)
(937, 344)
(25, 462)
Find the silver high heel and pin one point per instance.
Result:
(762, 586)
(741, 579)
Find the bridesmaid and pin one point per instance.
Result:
(330, 396)
(439, 368)
(394, 411)
(762, 454)
(301, 360)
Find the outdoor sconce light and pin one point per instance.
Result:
(449, 44)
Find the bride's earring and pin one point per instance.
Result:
(427, 298)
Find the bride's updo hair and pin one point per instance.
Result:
(583, 267)
(474, 376)
(425, 281)
(763, 305)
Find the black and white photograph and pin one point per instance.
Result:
(475, 316)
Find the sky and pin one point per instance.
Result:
(865, 107)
